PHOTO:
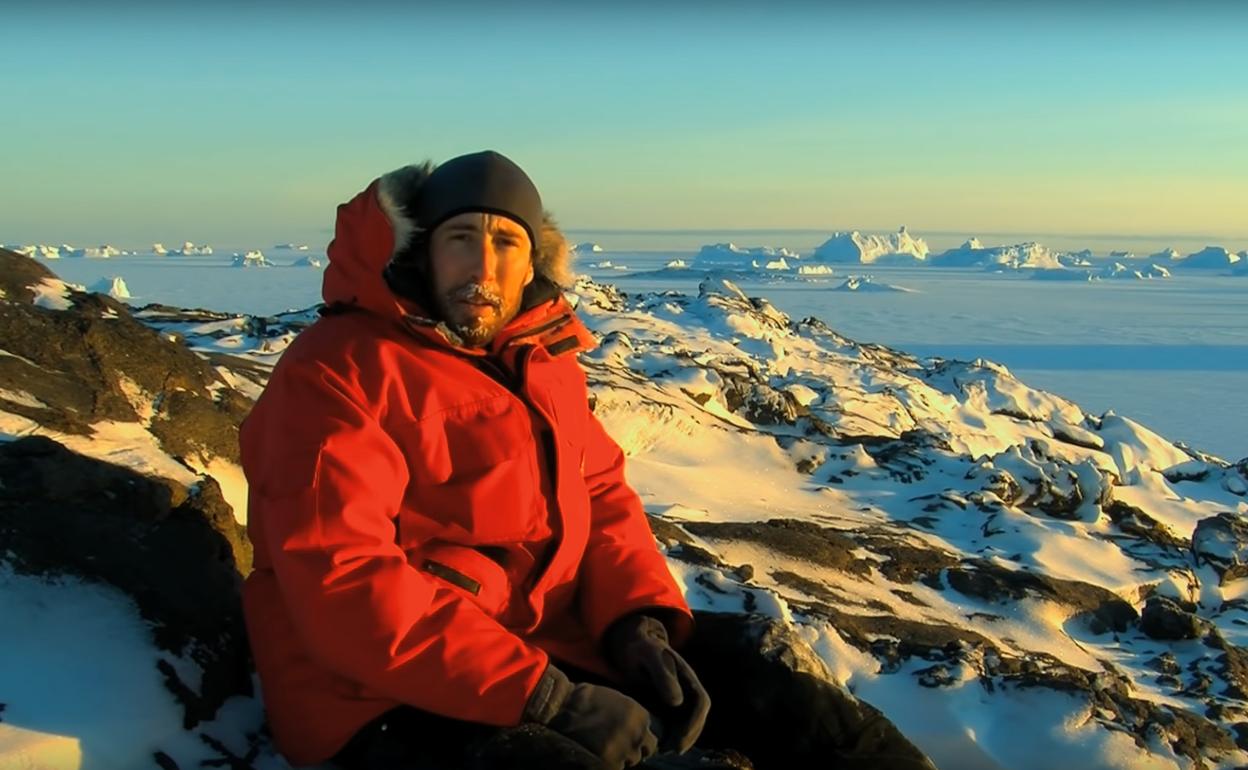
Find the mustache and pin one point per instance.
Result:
(475, 292)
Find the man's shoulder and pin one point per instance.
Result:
(344, 338)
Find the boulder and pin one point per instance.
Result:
(177, 552)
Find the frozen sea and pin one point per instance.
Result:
(1172, 354)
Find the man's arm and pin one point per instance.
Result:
(326, 483)
(623, 571)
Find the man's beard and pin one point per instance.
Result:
(476, 330)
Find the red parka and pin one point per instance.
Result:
(430, 529)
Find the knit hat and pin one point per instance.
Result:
(484, 181)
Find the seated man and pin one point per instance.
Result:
(442, 528)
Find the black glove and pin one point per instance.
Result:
(607, 722)
(638, 648)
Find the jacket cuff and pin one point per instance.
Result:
(548, 697)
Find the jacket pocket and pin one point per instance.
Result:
(468, 571)
(474, 479)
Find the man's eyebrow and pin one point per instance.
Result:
(509, 231)
(468, 226)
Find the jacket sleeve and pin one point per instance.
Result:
(623, 570)
(326, 483)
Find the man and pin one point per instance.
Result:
(442, 528)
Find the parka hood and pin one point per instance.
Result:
(377, 224)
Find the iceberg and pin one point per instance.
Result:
(190, 250)
(856, 248)
(1030, 255)
(114, 287)
(1209, 258)
(714, 255)
(251, 259)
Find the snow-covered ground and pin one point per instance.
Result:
(1172, 352)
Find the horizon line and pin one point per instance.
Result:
(969, 232)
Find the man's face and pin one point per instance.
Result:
(480, 264)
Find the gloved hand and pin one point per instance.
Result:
(638, 648)
(605, 721)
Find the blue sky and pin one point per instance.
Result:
(239, 125)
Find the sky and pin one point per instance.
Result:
(250, 123)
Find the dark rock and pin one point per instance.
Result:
(775, 703)
(808, 465)
(800, 539)
(667, 533)
(1164, 619)
(1241, 734)
(695, 554)
(1222, 542)
(1188, 471)
(95, 362)
(1068, 438)
(1231, 665)
(1165, 663)
(804, 584)
(935, 676)
(18, 273)
(1192, 735)
(894, 640)
(908, 562)
(178, 553)
(1135, 522)
(758, 402)
(997, 481)
(907, 457)
(992, 582)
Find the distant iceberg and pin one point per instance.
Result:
(1029, 255)
(1165, 254)
(714, 255)
(856, 248)
(1112, 272)
(586, 248)
(159, 249)
(607, 264)
(1209, 258)
(290, 247)
(308, 261)
(1075, 258)
(866, 283)
(40, 250)
(98, 252)
(251, 259)
(114, 287)
(191, 250)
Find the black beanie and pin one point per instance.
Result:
(484, 181)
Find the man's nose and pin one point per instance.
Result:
(484, 262)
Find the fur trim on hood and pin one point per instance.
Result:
(552, 259)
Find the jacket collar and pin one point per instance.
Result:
(551, 325)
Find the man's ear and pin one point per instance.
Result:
(528, 278)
